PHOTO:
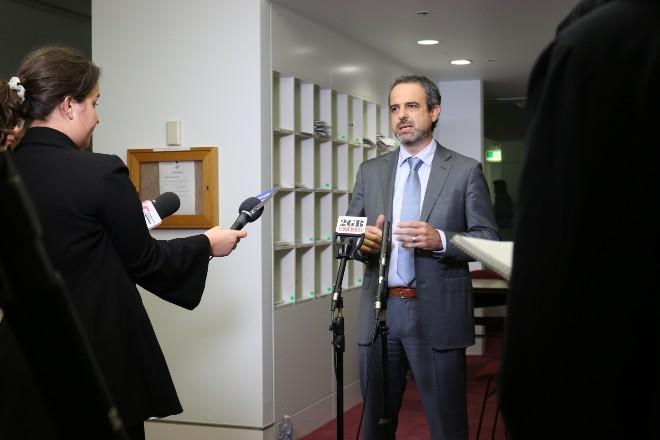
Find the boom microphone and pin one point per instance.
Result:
(157, 209)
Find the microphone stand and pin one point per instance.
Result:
(381, 327)
(344, 251)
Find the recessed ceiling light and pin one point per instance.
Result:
(422, 12)
(427, 42)
(460, 62)
(348, 68)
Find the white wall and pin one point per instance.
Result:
(460, 127)
(310, 51)
(201, 62)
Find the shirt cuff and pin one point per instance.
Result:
(443, 238)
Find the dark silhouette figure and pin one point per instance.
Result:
(581, 351)
(503, 209)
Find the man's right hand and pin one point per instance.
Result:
(373, 237)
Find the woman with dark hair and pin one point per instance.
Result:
(95, 233)
(12, 96)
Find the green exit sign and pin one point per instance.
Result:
(494, 155)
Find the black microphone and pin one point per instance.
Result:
(349, 236)
(166, 204)
(247, 213)
(157, 209)
(383, 264)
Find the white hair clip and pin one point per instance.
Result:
(15, 84)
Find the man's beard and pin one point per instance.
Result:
(413, 137)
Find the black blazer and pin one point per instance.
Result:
(96, 236)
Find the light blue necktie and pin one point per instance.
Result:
(409, 211)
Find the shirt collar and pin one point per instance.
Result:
(426, 154)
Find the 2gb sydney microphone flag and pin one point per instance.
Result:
(351, 225)
(349, 236)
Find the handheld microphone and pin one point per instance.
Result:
(381, 303)
(252, 208)
(157, 209)
(247, 213)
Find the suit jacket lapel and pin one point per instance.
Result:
(439, 173)
(387, 174)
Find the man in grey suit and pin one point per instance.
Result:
(430, 193)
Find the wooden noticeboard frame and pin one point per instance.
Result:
(143, 167)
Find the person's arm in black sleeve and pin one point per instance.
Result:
(175, 270)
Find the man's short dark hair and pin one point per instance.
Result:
(433, 97)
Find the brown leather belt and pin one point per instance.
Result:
(402, 292)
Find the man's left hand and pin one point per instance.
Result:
(417, 234)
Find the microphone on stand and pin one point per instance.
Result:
(350, 230)
(349, 236)
(157, 209)
(383, 263)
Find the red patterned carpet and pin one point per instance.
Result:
(412, 422)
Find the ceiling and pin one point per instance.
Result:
(78, 8)
(36, 23)
(503, 38)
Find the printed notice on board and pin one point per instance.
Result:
(179, 177)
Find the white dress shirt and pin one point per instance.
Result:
(402, 171)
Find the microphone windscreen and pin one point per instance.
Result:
(166, 204)
(248, 205)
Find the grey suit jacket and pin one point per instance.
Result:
(457, 202)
